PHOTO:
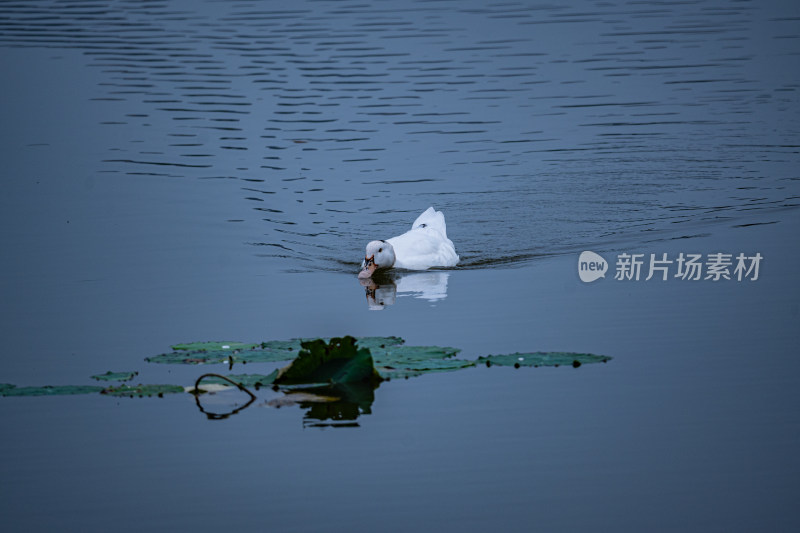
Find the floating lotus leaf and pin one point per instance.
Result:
(47, 390)
(412, 353)
(115, 376)
(410, 369)
(142, 390)
(292, 345)
(246, 380)
(543, 359)
(214, 346)
(255, 354)
(237, 352)
(377, 343)
(334, 378)
(408, 361)
(289, 349)
(363, 342)
(337, 361)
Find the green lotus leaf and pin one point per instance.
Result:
(245, 380)
(289, 349)
(394, 362)
(363, 342)
(537, 359)
(411, 369)
(237, 352)
(336, 361)
(412, 353)
(335, 367)
(142, 390)
(214, 346)
(47, 390)
(254, 355)
(115, 376)
(378, 343)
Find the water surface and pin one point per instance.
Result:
(180, 171)
(535, 127)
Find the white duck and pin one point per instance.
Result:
(424, 246)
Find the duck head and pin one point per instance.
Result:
(379, 255)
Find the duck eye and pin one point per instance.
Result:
(380, 250)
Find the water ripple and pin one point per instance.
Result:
(537, 128)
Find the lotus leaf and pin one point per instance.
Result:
(409, 361)
(410, 369)
(214, 346)
(211, 356)
(338, 361)
(537, 359)
(47, 390)
(412, 353)
(115, 376)
(237, 352)
(142, 390)
(246, 380)
(335, 378)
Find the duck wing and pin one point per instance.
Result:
(422, 248)
(431, 218)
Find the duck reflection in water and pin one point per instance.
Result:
(383, 288)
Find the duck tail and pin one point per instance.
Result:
(431, 218)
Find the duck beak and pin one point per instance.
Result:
(368, 268)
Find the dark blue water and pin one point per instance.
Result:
(180, 171)
(535, 127)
